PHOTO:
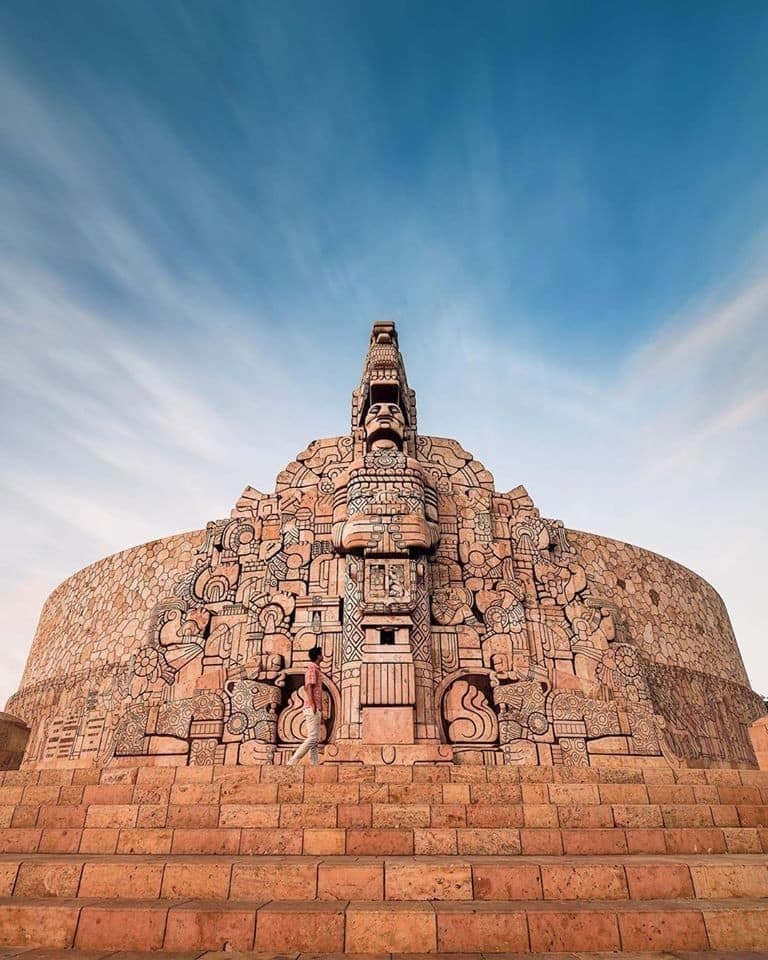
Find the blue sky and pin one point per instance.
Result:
(206, 205)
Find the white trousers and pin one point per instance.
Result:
(310, 744)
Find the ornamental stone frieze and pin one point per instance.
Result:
(457, 625)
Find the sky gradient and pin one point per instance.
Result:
(205, 206)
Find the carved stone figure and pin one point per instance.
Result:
(253, 710)
(522, 717)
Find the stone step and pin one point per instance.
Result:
(354, 927)
(389, 774)
(36, 953)
(378, 878)
(290, 815)
(383, 841)
(234, 790)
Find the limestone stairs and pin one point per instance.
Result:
(384, 860)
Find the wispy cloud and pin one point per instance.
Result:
(667, 449)
(139, 394)
(698, 335)
(145, 376)
(703, 379)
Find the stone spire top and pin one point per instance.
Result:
(384, 381)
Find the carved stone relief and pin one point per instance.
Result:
(455, 621)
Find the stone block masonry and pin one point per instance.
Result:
(120, 860)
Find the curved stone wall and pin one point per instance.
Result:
(94, 622)
(674, 616)
(679, 623)
(91, 625)
(99, 615)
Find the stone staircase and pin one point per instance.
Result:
(386, 860)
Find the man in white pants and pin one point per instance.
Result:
(313, 711)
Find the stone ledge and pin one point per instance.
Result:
(174, 877)
(628, 773)
(374, 927)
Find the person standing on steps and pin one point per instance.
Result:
(313, 711)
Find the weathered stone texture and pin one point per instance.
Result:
(671, 614)
(700, 689)
(89, 628)
(99, 615)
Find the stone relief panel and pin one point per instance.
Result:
(702, 718)
(455, 621)
(469, 716)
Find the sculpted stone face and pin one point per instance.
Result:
(384, 425)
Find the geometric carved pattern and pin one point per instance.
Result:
(387, 683)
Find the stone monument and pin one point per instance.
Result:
(457, 624)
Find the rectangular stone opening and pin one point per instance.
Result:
(385, 393)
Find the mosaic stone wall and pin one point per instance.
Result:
(702, 697)
(89, 628)
(672, 615)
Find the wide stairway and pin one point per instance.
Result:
(385, 860)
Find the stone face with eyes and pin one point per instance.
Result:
(384, 503)
(384, 425)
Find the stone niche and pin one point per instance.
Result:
(14, 734)
(457, 624)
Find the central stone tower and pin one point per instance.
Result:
(386, 526)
